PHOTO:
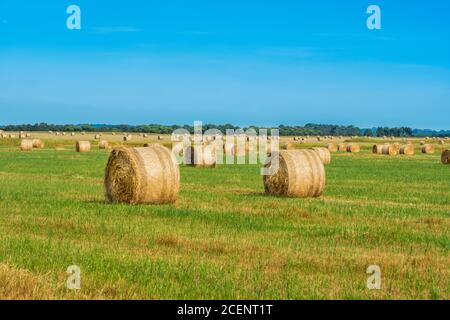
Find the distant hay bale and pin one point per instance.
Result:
(342, 147)
(145, 135)
(319, 138)
(353, 147)
(332, 147)
(390, 150)
(142, 176)
(324, 155)
(97, 137)
(407, 149)
(441, 142)
(28, 135)
(73, 134)
(200, 156)
(12, 136)
(428, 149)
(422, 143)
(445, 157)
(377, 149)
(301, 173)
(38, 144)
(26, 145)
(127, 138)
(160, 137)
(83, 146)
(229, 148)
(288, 146)
(63, 133)
(103, 144)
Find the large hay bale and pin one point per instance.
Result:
(428, 149)
(142, 176)
(83, 146)
(445, 157)
(377, 149)
(200, 156)
(301, 173)
(332, 147)
(342, 147)
(407, 149)
(390, 150)
(324, 155)
(353, 147)
(103, 144)
(38, 143)
(26, 145)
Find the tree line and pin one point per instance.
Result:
(284, 130)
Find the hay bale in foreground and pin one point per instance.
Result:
(83, 146)
(390, 150)
(301, 173)
(26, 145)
(407, 149)
(142, 176)
(332, 147)
(324, 155)
(445, 157)
(103, 144)
(377, 149)
(428, 149)
(38, 143)
(353, 147)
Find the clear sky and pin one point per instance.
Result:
(226, 61)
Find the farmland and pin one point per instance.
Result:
(224, 238)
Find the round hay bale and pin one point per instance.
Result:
(342, 147)
(28, 135)
(422, 143)
(26, 145)
(390, 150)
(38, 143)
(332, 147)
(407, 149)
(441, 142)
(445, 157)
(142, 176)
(103, 144)
(353, 147)
(160, 138)
(377, 149)
(428, 149)
(301, 173)
(324, 155)
(288, 146)
(200, 156)
(229, 148)
(97, 137)
(73, 134)
(127, 138)
(83, 146)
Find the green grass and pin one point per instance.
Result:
(224, 238)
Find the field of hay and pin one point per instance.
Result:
(224, 238)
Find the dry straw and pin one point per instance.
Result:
(428, 149)
(103, 144)
(353, 147)
(324, 155)
(407, 149)
(301, 173)
(200, 156)
(377, 149)
(38, 143)
(83, 146)
(26, 145)
(445, 157)
(142, 176)
(332, 147)
(390, 150)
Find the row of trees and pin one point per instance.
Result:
(308, 129)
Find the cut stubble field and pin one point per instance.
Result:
(224, 238)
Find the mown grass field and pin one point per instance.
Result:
(224, 239)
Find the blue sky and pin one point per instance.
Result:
(226, 61)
